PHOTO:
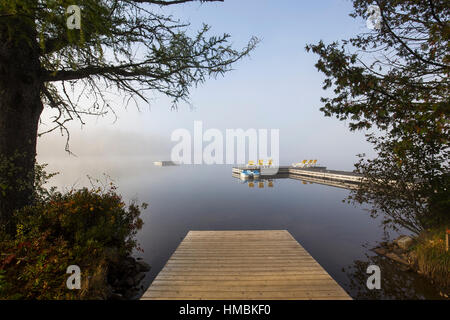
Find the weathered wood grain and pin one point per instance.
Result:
(235, 265)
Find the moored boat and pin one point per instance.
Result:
(246, 174)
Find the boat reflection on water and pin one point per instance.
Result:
(260, 183)
(253, 180)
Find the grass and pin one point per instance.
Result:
(433, 260)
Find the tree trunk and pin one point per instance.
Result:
(20, 109)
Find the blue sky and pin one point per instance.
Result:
(278, 87)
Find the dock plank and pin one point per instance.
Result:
(236, 265)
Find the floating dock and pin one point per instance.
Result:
(242, 265)
(341, 179)
(327, 182)
(165, 163)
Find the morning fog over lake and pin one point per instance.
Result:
(338, 235)
(224, 150)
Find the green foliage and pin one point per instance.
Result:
(125, 47)
(34, 268)
(41, 178)
(12, 181)
(77, 228)
(131, 46)
(407, 191)
(15, 182)
(8, 170)
(432, 258)
(398, 85)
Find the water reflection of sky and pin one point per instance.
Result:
(183, 198)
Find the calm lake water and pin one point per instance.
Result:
(182, 198)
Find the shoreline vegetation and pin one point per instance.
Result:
(379, 88)
(424, 254)
(390, 82)
(92, 229)
(95, 230)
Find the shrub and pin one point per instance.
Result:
(81, 227)
(432, 258)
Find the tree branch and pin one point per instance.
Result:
(415, 54)
(171, 2)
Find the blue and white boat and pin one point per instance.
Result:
(250, 174)
(246, 174)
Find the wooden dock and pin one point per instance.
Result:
(342, 179)
(327, 182)
(242, 265)
(343, 176)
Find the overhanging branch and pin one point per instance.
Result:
(171, 2)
